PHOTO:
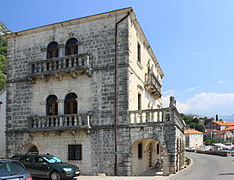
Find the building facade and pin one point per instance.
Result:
(219, 125)
(3, 123)
(89, 91)
(194, 138)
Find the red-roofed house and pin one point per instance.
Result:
(223, 136)
(193, 138)
(219, 125)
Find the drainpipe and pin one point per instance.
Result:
(116, 89)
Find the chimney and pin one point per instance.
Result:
(216, 117)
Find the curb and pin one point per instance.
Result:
(185, 169)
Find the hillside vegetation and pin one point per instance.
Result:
(3, 55)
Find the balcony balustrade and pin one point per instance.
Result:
(161, 115)
(68, 64)
(58, 122)
(152, 85)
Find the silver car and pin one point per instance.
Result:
(13, 170)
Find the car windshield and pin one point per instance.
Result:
(52, 159)
(10, 168)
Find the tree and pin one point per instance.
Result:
(3, 54)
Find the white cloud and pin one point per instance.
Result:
(220, 82)
(206, 103)
(192, 89)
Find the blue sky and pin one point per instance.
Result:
(192, 40)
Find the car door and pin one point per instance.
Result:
(28, 163)
(40, 167)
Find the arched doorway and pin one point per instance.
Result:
(30, 148)
(33, 149)
(145, 154)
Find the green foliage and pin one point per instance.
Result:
(3, 54)
(210, 141)
(193, 122)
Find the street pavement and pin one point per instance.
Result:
(203, 167)
(207, 167)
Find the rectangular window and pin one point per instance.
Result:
(140, 151)
(138, 52)
(74, 152)
(139, 101)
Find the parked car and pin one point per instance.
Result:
(47, 166)
(12, 169)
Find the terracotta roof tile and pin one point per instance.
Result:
(192, 131)
(224, 123)
(230, 128)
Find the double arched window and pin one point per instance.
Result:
(70, 104)
(71, 47)
(52, 50)
(51, 105)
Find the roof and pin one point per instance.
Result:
(211, 130)
(220, 133)
(91, 18)
(192, 131)
(230, 128)
(224, 123)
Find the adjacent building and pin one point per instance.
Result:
(193, 138)
(2, 123)
(219, 125)
(89, 90)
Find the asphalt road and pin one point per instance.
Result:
(207, 167)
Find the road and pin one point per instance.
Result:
(203, 167)
(207, 167)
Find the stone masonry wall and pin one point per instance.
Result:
(95, 37)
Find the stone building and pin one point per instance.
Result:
(89, 91)
(2, 122)
(193, 138)
(219, 125)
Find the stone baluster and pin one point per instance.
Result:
(70, 62)
(88, 120)
(64, 63)
(135, 117)
(152, 117)
(50, 66)
(140, 116)
(76, 62)
(75, 121)
(80, 120)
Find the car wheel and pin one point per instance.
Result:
(55, 176)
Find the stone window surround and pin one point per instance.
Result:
(80, 152)
(61, 105)
(62, 47)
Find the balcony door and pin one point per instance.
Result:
(51, 105)
(71, 47)
(70, 104)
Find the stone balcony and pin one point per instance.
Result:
(156, 116)
(71, 65)
(152, 85)
(59, 122)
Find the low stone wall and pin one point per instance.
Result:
(217, 153)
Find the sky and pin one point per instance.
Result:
(193, 41)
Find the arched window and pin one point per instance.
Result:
(70, 104)
(52, 50)
(51, 105)
(71, 47)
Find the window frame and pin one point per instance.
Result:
(140, 150)
(75, 156)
